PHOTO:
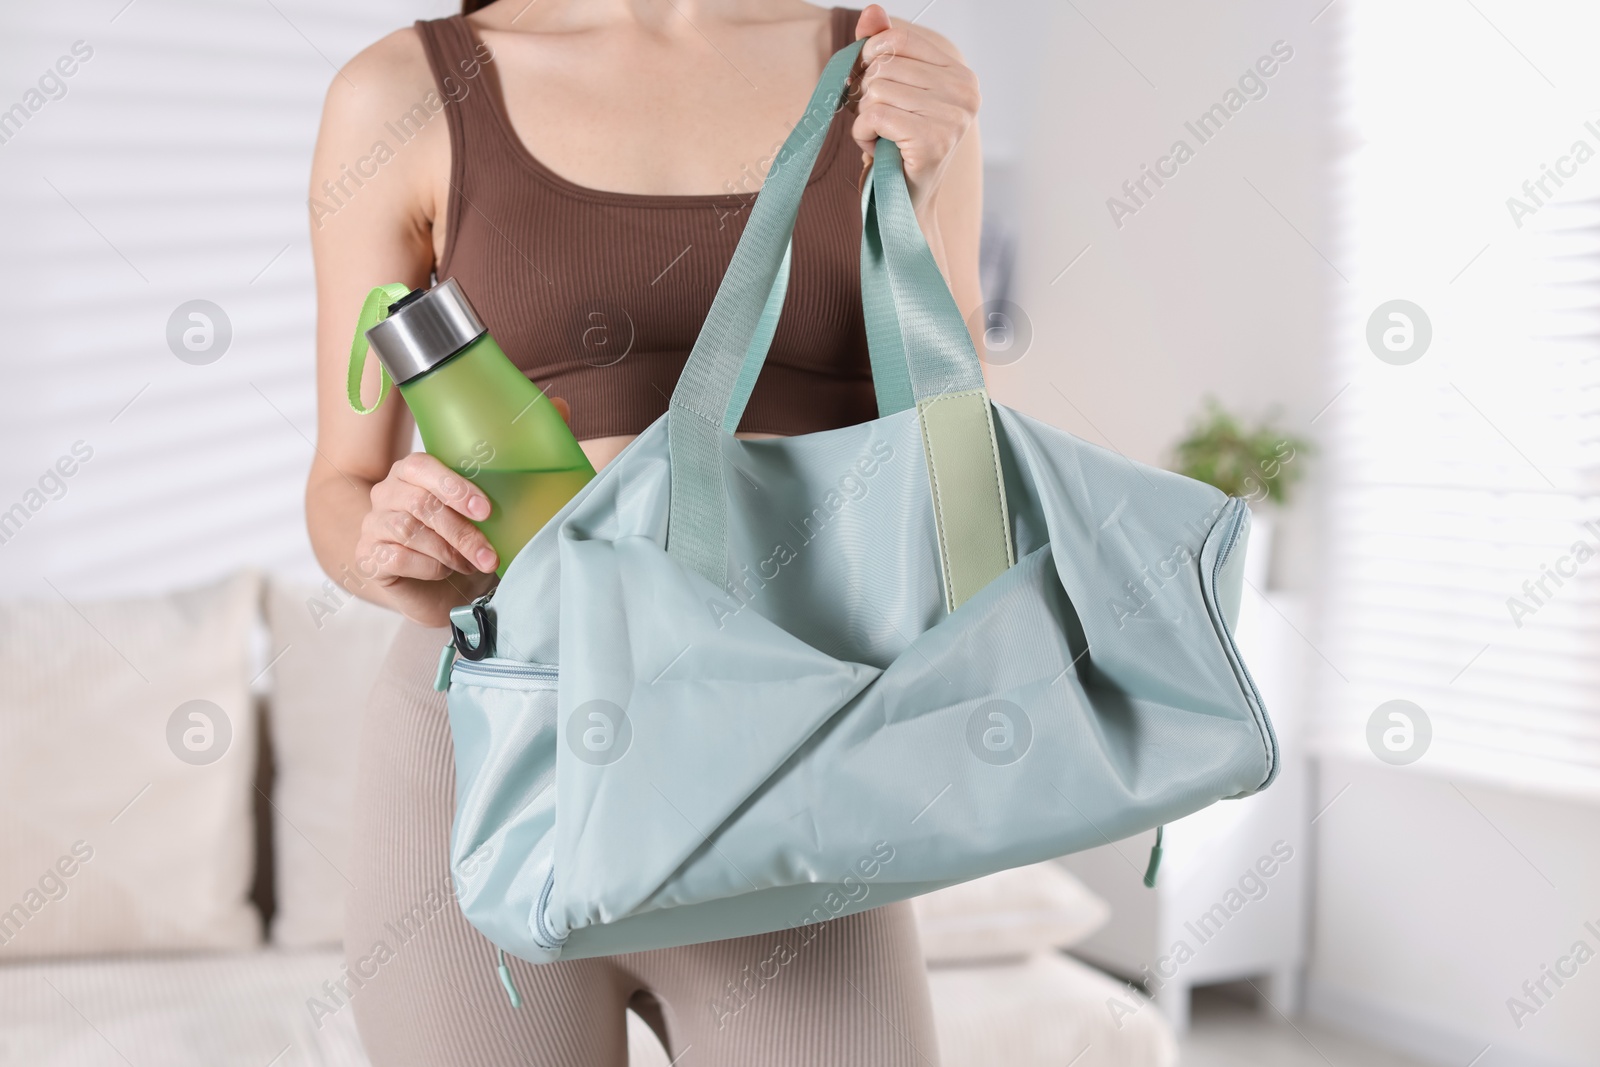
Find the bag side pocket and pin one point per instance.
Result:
(503, 724)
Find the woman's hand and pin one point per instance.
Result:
(918, 93)
(419, 531)
(417, 543)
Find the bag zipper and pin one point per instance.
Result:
(504, 668)
(541, 925)
(1233, 539)
(1222, 557)
(538, 914)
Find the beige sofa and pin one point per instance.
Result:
(175, 777)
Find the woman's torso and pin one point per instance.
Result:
(590, 216)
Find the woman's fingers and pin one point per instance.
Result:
(426, 472)
(461, 500)
(398, 561)
(405, 528)
(912, 99)
(924, 136)
(384, 530)
(463, 537)
(420, 519)
(912, 72)
(903, 42)
(880, 120)
(915, 91)
(874, 20)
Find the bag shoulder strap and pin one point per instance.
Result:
(921, 355)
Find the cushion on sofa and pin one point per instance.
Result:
(327, 648)
(1011, 914)
(127, 763)
(193, 1010)
(1046, 1011)
(265, 1008)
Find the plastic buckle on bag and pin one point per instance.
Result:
(472, 628)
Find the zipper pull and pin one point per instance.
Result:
(472, 628)
(1155, 861)
(505, 980)
(447, 659)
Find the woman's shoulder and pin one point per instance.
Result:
(380, 100)
(382, 80)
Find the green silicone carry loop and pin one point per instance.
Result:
(373, 311)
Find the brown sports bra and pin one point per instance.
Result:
(598, 296)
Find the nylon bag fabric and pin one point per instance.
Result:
(738, 686)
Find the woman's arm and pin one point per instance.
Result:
(953, 229)
(389, 526)
(919, 93)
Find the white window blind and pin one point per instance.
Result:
(1463, 481)
(171, 165)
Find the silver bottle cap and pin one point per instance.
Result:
(424, 329)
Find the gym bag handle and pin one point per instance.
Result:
(919, 348)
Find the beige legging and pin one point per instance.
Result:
(423, 986)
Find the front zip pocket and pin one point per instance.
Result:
(503, 731)
(505, 673)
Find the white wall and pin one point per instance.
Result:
(1218, 284)
(173, 168)
(1207, 288)
(1000, 43)
(1427, 918)
(1436, 900)
(1439, 894)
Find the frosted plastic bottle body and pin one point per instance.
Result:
(482, 417)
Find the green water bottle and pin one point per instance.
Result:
(477, 413)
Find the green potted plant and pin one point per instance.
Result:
(1260, 463)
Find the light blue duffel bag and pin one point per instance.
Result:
(738, 686)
